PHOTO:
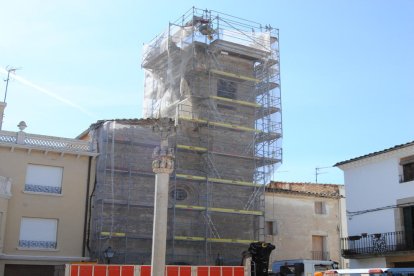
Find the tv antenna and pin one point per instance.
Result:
(317, 172)
(9, 70)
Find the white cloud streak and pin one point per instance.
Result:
(50, 94)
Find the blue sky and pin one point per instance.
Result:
(347, 70)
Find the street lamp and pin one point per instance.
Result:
(109, 254)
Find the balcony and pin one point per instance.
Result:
(380, 244)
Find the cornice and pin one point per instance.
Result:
(386, 155)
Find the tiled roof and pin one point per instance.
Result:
(133, 121)
(397, 147)
(306, 189)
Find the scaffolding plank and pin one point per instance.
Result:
(193, 148)
(201, 149)
(234, 182)
(219, 210)
(191, 177)
(219, 124)
(217, 180)
(190, 207)
(231, 240)
(235, 211)
(232, 126)
(233, 75)
(184, 238)
(235, 101)
(189, 238)
(113, 234)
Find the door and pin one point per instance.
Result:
(318, 248)
(29, 270)
(408, 213)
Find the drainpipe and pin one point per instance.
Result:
(86, 206)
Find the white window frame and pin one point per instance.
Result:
(38, 233)
(43, 179)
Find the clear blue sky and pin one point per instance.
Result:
(347, 70)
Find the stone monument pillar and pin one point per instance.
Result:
(162, 166)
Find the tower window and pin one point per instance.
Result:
(226, 89)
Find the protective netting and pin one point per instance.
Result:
(217, 77)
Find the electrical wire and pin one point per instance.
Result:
(361, 212)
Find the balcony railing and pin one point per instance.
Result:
(46, 142)
(320, 255)
(376, 244)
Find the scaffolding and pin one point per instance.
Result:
(217, 76)
(122, 199)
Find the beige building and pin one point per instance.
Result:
(304, 220)
(44, 183)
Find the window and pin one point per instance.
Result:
(43, 179)
(179, 194)
(38, 233)
(271, 228)
(407, 169)
(320, 207)
(226, 89)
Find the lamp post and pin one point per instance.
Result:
(109, 254)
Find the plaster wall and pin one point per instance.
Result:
(375, 185)
(368, 263)
(297, 222)
(68, 208)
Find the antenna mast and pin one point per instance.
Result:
(317, 169)
(9, 70)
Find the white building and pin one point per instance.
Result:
(380, 208)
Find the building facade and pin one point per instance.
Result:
(304, 221)
(380, 204)
(44, 184)
(221, 87)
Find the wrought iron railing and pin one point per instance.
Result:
(37, 244)
(376, 244)
(320, 255)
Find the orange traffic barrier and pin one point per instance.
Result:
(145, 270)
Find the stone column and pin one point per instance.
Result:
(162, 166)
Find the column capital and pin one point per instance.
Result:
(163, 160)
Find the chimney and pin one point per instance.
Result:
(2, 108)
